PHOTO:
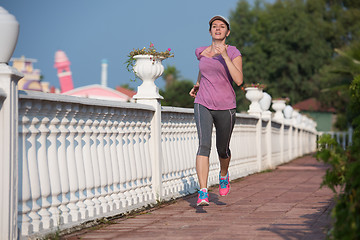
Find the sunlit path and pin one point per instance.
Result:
(286, 203)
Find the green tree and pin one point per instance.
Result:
(282, 48)
(335, 79)
(170, 75)
(177, 94)
(284, 44)
(177, 90)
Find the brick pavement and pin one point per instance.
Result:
(286, 203)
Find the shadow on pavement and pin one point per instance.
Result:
(213, 199)
(316, 226)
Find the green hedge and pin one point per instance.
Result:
(343, 176)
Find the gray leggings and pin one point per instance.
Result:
(224, 121)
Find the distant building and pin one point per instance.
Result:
(32, 77)
(324, 117)
(100, 92)
(95, 91)
(127, 92)
(62, 64)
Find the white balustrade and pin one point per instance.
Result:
(82, 159)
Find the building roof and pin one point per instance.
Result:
(126, 91)
(99, 92)
(312, 105)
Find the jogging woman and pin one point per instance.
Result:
(215, 103)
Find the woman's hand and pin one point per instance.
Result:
(194, 91)
(221, 49)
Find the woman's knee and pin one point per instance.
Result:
(204, 150)
(224, 152)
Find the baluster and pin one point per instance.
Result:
(24, 178)
(71, 164)
(95, 162)
(173, 156)
(166, 154)
(63, 168)
(43, 168)
(79, 160)
(90, 200)
(139, 161)
(183, 170)
(33, 170)
(108, 114)
(102, 163)
(145, 176)
(112, 132)
(146, 189)
(170, 155)
(128, 157)
(194, 146)
(147, 132)
(178, 152)
(121, 156)
(191, 153)
(52, 156)
(133, 161)
(190, 142)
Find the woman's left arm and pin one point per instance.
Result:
(235, 68)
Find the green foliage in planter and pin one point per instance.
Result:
(343, 176)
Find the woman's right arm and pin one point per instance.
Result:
(195, 89)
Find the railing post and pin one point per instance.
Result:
(9, 31)
(8, 151)
(155, 149)
(268, 142)
(282, 139)
(148, 93)
(258, 144)
(256, 111)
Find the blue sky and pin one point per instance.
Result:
(91, 30)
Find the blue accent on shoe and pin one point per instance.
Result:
(224, 181)
(203, 195)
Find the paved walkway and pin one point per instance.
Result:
(286, 203)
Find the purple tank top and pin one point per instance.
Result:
(216, 91)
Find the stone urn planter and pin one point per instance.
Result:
(265, 103)
(278, 105)
(9, 32)
(288, 110)
(254, 94)
(148, 70)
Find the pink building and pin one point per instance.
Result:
(101, 92)
(90, 91)
(62, 64)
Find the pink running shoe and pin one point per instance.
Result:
(224, 186)
(203, 198)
